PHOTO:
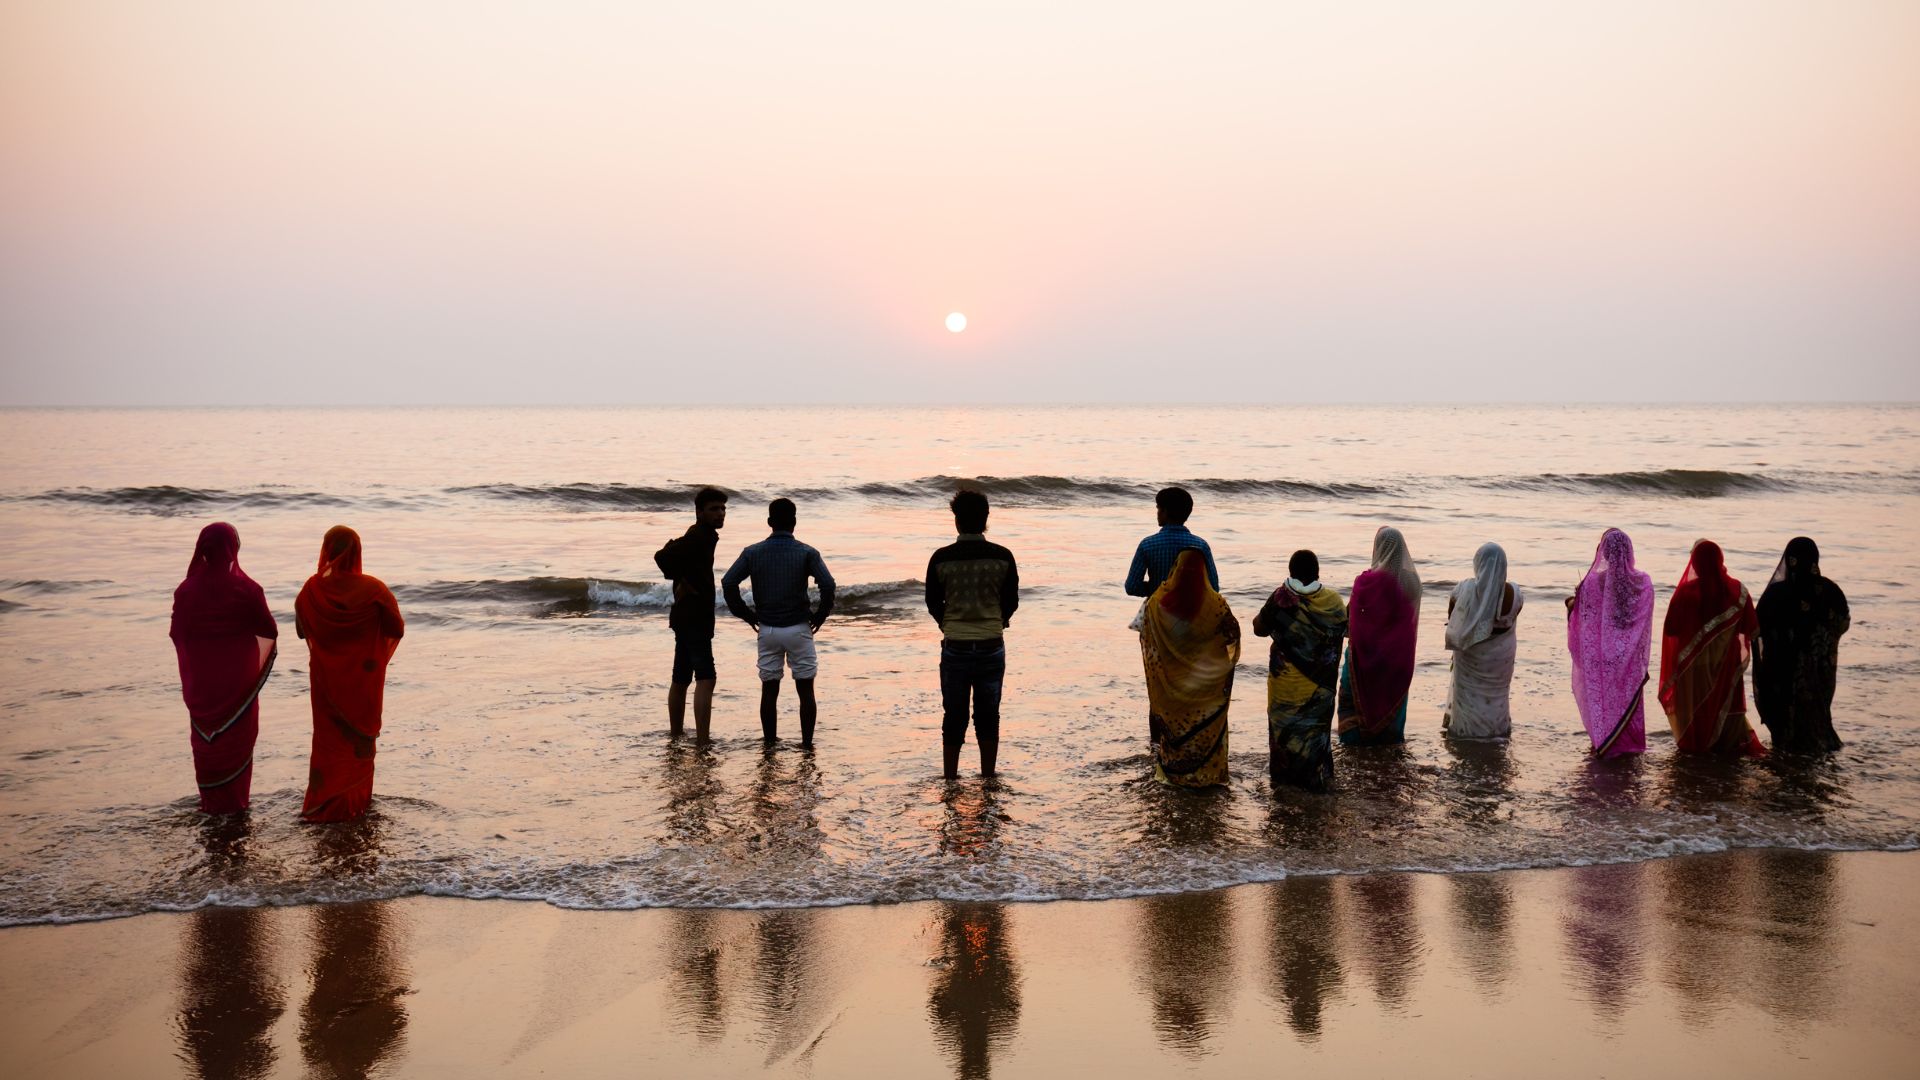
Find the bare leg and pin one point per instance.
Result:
(676, 709)
(989, 750)
(702, 708)
(809, 710)
(951, 753)
(770, 709)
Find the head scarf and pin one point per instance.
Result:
(217, 598)
(1705, 588)
(1186, 587)
(1609, 634)
(1476, 601)
(1799, 564)
(340, 602)
(1390, 554)
(1383, 615)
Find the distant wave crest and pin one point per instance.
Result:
(170, 499)
(1682, 483)
(580, 595)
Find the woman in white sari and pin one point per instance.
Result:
(1480, 619)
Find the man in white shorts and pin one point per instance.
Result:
(779, 567)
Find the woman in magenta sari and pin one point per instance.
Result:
(1704, 651)
(1383, 616)
(1610, 634)
(352, 625)
(223, 636)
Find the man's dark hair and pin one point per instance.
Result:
(707, 496)
(1175, 503)
(969, 511)
(781, 514)
(1304, 567)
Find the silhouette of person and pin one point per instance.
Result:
(779, 567)
(973, 588)
(687, 562)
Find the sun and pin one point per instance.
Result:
(956, 322)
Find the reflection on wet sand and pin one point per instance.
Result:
(353, 1021)
(1705, 905)
(974, 1004)
(1798, 895)
(1303, 950)
(788, 992)
(694, 987)
(1187, 962)
(1483, 910)
(1379, 910)
(1605, 933)
(1757, 926)
(229, 999)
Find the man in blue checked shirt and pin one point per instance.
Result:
(779, 567)
(1153, 560)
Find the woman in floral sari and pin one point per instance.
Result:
(1307, 621)
(352, 626)
(1704, 650)
(223, 636)
(1609, 631)
(1796, 660)
(1189, 642)
(1384, 619)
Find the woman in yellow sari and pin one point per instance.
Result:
(1189, 642)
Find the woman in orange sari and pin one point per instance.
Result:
(351, 624)
(1704, 650)
(1189, 641)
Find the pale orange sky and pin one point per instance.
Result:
(576, 202)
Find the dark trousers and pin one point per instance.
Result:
(973, 669)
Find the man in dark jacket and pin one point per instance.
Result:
(687, 562)
(973, 588)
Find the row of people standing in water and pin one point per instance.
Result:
(1347, 665)
(1349, 660)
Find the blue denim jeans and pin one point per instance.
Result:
(973, 669)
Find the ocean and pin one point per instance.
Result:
(525, 752)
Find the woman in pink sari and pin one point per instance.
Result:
(1704, 651)
(223, 636)
(1383, 618)
(1610, 634)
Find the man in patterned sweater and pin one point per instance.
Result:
(973, 588)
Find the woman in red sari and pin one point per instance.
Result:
(1704, 651)
(223, 636)
(352, 625)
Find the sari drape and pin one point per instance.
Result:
(1484, 646)
(1610, 635)
(1189, 643)
(1303, 671)
(352, 625)
(224, 639)
(1704, 649)
(1796, 659)
(1383, 615)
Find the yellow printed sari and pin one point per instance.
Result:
(1189, 643)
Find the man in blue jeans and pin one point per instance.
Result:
(973, 588)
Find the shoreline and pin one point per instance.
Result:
(1756, 961)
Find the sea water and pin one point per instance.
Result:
(525, 751)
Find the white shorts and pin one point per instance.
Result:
(783, 645)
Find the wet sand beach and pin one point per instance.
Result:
(1751, 963)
